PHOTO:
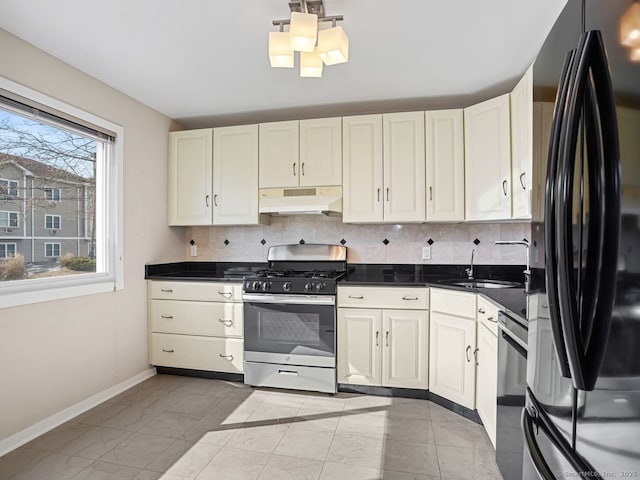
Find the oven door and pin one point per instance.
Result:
(290, 329)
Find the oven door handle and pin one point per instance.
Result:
(290, 299)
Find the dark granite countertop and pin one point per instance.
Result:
(512, 299)
(202, 271)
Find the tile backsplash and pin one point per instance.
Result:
(451, 243)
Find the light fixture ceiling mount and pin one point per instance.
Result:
(328, 46)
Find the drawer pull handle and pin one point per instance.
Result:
(409, 298)
(168, 350)
(466, 352)
(226, 356)
(228, 323)
(167, 290)
(546, 307)
(226, 294)
(386, 336)
(288, 372)
(377, 337)
(491, 319)
(481, 310)
(475, 355)
(166, 316)
(356, 297)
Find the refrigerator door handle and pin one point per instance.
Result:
(582, 317)
(550, 214)
(532, 447)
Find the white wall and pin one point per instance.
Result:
(55, 354)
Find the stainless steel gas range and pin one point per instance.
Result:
(290, 318)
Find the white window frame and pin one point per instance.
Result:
(53, 197)
(53, 244)
(9, 181)
(53, 217)
(4, 245)
(9, 213)
(23, 292)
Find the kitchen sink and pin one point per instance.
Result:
(477, 283)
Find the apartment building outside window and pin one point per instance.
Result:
(52, 222)
(52, 194)
(8, 188)
(7, 250)
(9, 219)
(51, 249)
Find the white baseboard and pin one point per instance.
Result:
(43, 426)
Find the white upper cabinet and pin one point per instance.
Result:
(445, 165)
(235, 175)
(362, 169)
(487, 133)
(279, 155)
(542, 120)
(190, 184)
(404, 167)
(522, 146)
(321, 152)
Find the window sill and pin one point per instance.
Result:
(50, 293)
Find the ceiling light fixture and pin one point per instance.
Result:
(328, 46)
(630, 30)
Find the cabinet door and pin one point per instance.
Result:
(321, 152)
(405, 348)
(542, 120)
(362, 169)
(487, 380)
(235, 175)
(451, 364)
(487, 151)
(359, 340)
(279, 164)
(522, 145)
(190, 184)
(404, 167)
(445, 165)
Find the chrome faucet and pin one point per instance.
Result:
(470, 269)
(527, 270)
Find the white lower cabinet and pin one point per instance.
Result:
(383, 346)
(487, 379)
(196, 325)
(452, 341)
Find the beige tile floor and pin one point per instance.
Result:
(177, 428)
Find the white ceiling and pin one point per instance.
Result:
(205, 63)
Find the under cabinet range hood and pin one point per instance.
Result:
(301, 201)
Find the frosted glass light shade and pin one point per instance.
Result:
(310, 64)
(303, 31)
(635, 54)
(333, 46)
(630, 26)
(280, 53)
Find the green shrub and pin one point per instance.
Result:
(81, 264)
(12, 268)
(64, 259)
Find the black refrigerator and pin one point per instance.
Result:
(582, 412)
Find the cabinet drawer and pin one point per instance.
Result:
(196, 318)
(411, 298)
(199, 353)
(212, 292)
(452, 302)
(488, 314)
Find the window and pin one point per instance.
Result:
(52, 222)
(7, 250)
(8, 188)
(51, 250)
(52, 194)
(75, 158)
(9, 219)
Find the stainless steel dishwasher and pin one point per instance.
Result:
(512, 386)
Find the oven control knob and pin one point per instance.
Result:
(308, 287)
(256, 285)
(266, 285)
(320, 287)
(286, 286)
